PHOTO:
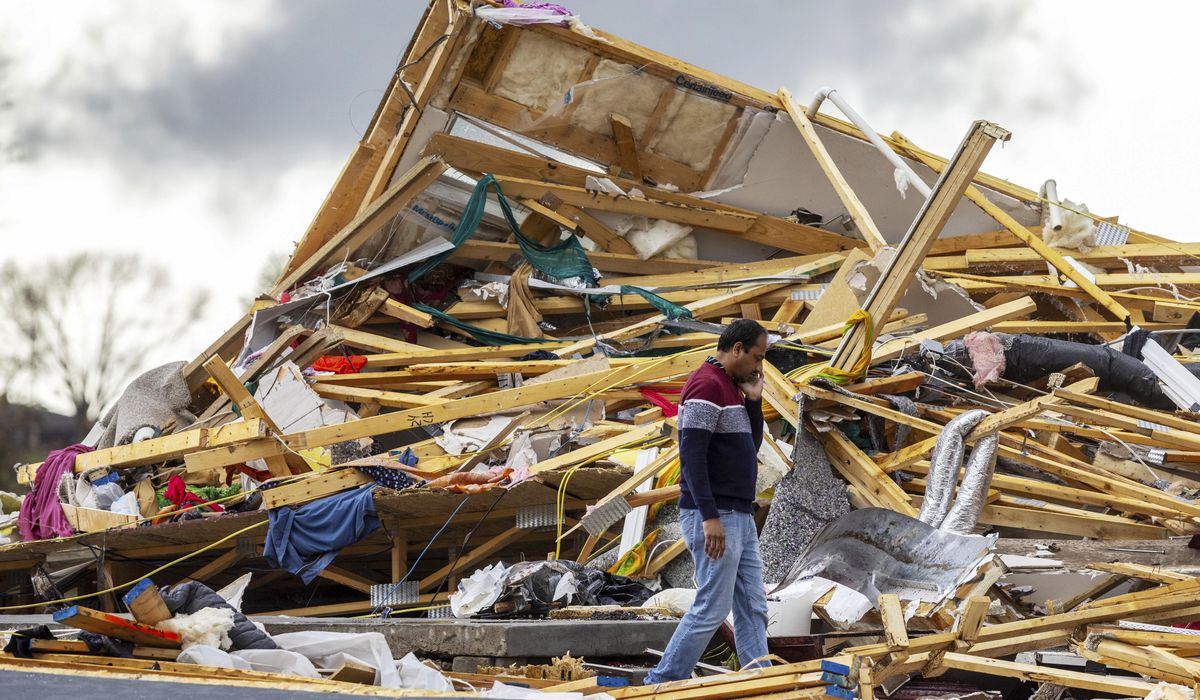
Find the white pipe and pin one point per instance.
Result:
(1054, 213)
(831, 94)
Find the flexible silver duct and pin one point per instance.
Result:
(944, 465)
(968, 505)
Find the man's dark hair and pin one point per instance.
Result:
(744, 331)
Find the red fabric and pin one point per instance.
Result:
(339, 364)
(669, 409)
(259, 475)
(180, 497)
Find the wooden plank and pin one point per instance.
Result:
(915, 245)
(219, 457)
(972, 617)
(117, 627)
(627, 151)
(216, 566)
(854, 206)
(146, 604)
(481, 552)
(352, 671)
(406, 313)
(601, 448)
(95, 520)
(895, 348)
(772, 231)
(371, 341)
(595, 229)
(862, 472)
(664, 557)
(1038, 245)
(1045, 674)
(63, 646)
(1165, 599)
(232, 387)
(469, 354)
(354, 394)
(505, 399)
(894, 628)
(493, 251)
(368, 222)
(1140, 571)
(700, 308)
(997, 421)
(311, 487)
(349, 579)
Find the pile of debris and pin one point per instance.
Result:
(474, 356)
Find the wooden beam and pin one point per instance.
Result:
(894, 627)
(972, 617)
(1037, 244)
(424, 77)
(1044, 674)
(627, 151)
(406, 313)
(715, 303)
(473, 557)
(347, 578)
(858, 212)
(118, 627)
(368, 222)
(216, 566)
(691, 211)
(934, 213)
(313, 486)
(993, 423)
(896, 347)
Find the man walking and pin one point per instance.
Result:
(720, 431)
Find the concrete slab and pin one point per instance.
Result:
(503, 639)
(498, 639)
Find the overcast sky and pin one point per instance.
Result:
(206, 134)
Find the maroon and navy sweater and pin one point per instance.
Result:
(719, 436)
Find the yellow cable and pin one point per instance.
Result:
(562, 508)
(127, 584)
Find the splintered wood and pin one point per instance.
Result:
(501, 299)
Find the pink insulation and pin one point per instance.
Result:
(987, 357)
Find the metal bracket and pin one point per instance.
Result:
(395, 594)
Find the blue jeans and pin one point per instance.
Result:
(732, 582)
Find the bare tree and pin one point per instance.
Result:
(79, 328)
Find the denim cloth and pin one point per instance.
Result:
(305, 540)
(732, 582)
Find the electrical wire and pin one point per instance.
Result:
(127, 584)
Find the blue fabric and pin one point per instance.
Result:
(305, 540)
(393, 478)
(733, 582)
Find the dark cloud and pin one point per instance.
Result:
(293, 94)
(301, 90)
(902, 57)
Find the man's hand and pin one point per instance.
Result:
(753, 388)
(714, 538)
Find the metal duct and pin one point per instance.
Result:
(968, 505)
(944, 465)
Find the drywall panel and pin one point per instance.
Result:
(782, 175)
